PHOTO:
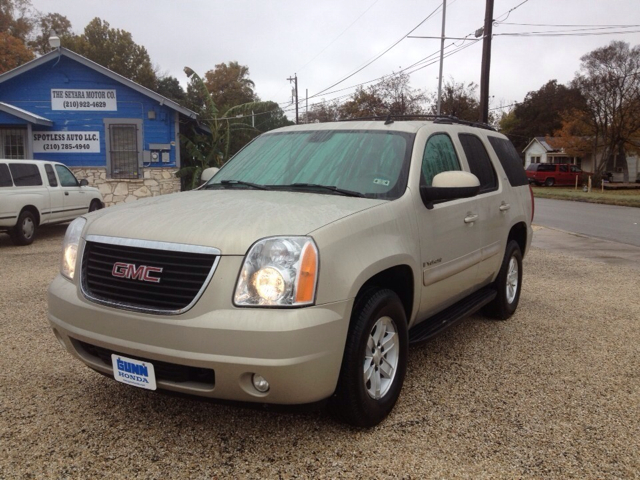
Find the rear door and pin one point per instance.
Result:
(8, 210)
(564, 176)
(492, 206)
(75, 200)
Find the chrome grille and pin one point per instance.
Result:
(185, 273)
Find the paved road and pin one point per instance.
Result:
(609, 222)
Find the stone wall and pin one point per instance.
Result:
(155, 181)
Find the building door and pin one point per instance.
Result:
(13, 143)
(124, 155)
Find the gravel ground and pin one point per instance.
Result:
(554, 392)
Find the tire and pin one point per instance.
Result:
(549, 182)
(25, 230)
(95, 205)
(359, 402)
(508, 284)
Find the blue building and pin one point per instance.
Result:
(122, 137)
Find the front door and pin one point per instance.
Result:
(449, 237)
(76, 200)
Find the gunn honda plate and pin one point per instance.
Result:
(133, 372)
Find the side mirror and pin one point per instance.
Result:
(207, 173)
(449, 186)
(84, 182)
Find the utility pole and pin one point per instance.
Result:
(486, 63)
(444, 13)
(294, 79)
(306, 108)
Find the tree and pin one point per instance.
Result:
(17, 18)
(213, 145)
(170, 87)
(16, 24)
(47, 24)
(458, 100)
(364, 103)
(324, 111)
(609, 80)
(13, 52)
(540, 112)
(114, 49)
(392, 95)
(229, 85)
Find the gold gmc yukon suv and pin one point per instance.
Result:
(304, 268)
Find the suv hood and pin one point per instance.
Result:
(229, 220)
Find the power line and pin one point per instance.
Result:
(508, 12)
(335, 39)
(549, 34)
(377, 56)
(565, 25)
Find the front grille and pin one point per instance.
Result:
(170, 372)
(176, 287)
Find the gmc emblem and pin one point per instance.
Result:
(133, 272)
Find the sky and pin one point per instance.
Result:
(325, 41)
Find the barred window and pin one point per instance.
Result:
(123, 143)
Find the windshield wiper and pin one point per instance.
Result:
(331, 188)
(239, 182)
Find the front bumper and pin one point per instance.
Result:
(299, 351)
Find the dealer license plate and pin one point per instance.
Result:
(133, 372)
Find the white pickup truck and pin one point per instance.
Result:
(38, 192)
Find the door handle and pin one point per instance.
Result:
(470, 218)
(66, 193)
(504, 207)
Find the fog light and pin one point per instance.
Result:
(260, 383)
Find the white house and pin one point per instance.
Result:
(539, 150)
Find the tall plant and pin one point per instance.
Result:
(208, 144)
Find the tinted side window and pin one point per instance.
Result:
(532, 167)
(67, 178)
(51, 176)
(564, 168)
(510, 161)
(439, 156)
(546, 167)
(5, 176)
(25, 174)
(575, 169)
(479, 162)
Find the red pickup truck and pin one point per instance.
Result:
(549, 174)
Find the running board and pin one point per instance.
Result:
(452, 315)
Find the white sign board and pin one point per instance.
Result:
(68, 142)
(83, 99)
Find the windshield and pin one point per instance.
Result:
(371, 162)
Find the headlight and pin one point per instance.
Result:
(279, 271)
(70, 247)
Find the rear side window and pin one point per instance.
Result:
(546, 167)
(479, 162)
(51, 176)
(5, 176)
(533, 167)
(564, 168)
(510, 161)
(439, 156)
(25, 174)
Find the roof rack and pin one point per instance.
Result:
(445, 119)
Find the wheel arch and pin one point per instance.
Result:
(34, 210)
(399, 279)
(518, 233)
